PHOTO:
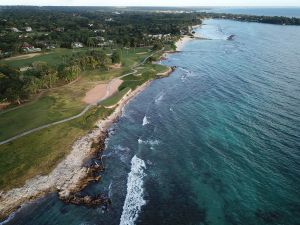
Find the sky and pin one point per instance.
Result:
(154, 2)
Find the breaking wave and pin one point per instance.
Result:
(149, 142)
(159, 98)
(134, 198)
(145, 121)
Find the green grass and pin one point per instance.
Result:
(40, 152)
(48, 109)
(61, 102)
(148, 72)
(115, 98)
(53, 58)
(56, 57)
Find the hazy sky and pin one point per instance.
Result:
(155, 2)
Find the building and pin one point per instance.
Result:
(27, 48)
(28, 29)
(14, 29)
(60, 29)
(77, 45)
(109, 20)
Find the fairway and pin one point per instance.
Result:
(61, 102)
(39, 152)
(54, 57)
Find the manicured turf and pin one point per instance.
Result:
(54, 57)
(147, 72)
(61, 102)
(38, 153)
(57, 56)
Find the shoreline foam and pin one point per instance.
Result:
(70, 176)
(70, 173)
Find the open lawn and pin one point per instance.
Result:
(38, 153)
(61, 102)
(54, 57)
(148, 71)
(57, 56)
(41, 151)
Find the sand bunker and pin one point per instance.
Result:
(102, 91)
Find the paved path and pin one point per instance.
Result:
(108, 90)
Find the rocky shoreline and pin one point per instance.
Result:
(70, 176)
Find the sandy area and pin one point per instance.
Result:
(4, 105)
(101, 91)
(116, 66)
(94, 94)
(141, 53)
(181, 42)
(27, 56)
(66, 177)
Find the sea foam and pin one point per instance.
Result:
(159, 98)
(145, 121)
(134, 198)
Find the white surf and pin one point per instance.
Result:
(135, 193)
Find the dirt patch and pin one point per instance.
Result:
(27, 56)
(102, 91)
(95, 93)
(114, 85)
(4, 105)
(116, 66)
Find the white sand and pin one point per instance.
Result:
(181, 42)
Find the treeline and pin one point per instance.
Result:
(280, 20)
(61, 26)
(17, 86)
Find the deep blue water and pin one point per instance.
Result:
(275, 11)
(217, 142)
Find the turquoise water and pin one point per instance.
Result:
(217, 142)
(266, 11)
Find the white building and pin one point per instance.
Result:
(77, 45)
(14, 29)
(28, 29)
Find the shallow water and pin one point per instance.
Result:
(215, 143)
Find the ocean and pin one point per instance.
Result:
(215, 143)
(259, 11)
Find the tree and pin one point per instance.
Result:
(157, 46)
(102, 58)
(116, 57)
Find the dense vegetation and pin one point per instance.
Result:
(104, 32)
(17, 85)
(281, 20)
(61, 26)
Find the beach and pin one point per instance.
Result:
(182, 42)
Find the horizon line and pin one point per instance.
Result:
(158, 6)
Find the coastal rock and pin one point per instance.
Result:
(70, 175)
